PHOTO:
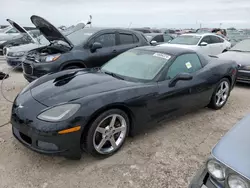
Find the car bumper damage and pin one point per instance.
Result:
(204, 180)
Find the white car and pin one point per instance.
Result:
(207, 43)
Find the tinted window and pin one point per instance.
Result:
(215, 39)
(206, 39)
(187, 63)
(136, 40)
(106, 40)
(158, 38)
(126, 38)
(186, 39)
(137, 64)
(13, 30)
(167, 38)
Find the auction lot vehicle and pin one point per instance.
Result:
(85, 48)
(158, 38)
(95, 109)
(240, 53)
(228, 166)
(207, 44)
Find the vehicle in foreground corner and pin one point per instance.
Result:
(228, 166)
(95, 109)
(207, 44)
(240, 53)
(85, 48)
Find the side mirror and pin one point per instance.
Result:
(153, 43)
(95, 46)
(181, 76)
(203, 44)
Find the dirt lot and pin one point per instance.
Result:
(166, 156)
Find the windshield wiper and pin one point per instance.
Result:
(113, 74)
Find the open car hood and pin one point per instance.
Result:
(20, 29)
(50, 32)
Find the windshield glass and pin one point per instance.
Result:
(79, 36)
(149, 37)
(186, 39)
(5, 29)
(242, 46)
(42, 40)
(137, 64)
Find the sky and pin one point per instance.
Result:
(140, 13)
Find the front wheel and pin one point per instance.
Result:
(220, 94)
(107, 133)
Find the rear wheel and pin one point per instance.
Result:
(107, 133)
(220, 94)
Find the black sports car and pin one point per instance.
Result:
(240, 53)
(95, 109)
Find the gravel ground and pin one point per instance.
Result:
(166, 156)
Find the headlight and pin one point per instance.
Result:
(216, 169)
(235, 181)
(51, 58)
(3, 41)
(59, 113)
(18, 54)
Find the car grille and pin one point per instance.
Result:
(27, 68)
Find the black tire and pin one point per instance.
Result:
(212, 103)
(88, 144)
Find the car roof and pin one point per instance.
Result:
(153, 34)
(201, 34)
(96, 29)
(171, 50)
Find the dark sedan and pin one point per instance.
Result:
(85, 48)
(228, 166)
(240, 53)
(158, 38)
(95, 109)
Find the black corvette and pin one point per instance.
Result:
(95, 109)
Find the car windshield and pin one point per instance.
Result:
(5, 29)
(79, 36)
(186, 39)
(149, 38)
(242, 46)
(137, 64)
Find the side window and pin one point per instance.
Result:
(136, 40)
(167, 38)
(158, 38)
(215, 39)
(206, 39)
(107, 40)
(187, 63)
(126, 38)
(221, 40)
(13, 30)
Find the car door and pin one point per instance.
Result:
(205, 49)
(104, 54)
(216, 46)
(185, 95)
(126, 40)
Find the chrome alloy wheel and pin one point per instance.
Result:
(222, 93)
(110, 134)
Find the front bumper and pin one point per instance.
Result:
(243, 76)
(14, 61)
(42, 136)
(32, 70)
(202, 179)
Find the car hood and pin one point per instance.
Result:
(25, 47)
(242, 58)
(71, 85)
(50, 32)
(233, 149)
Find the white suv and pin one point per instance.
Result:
(209, 44)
